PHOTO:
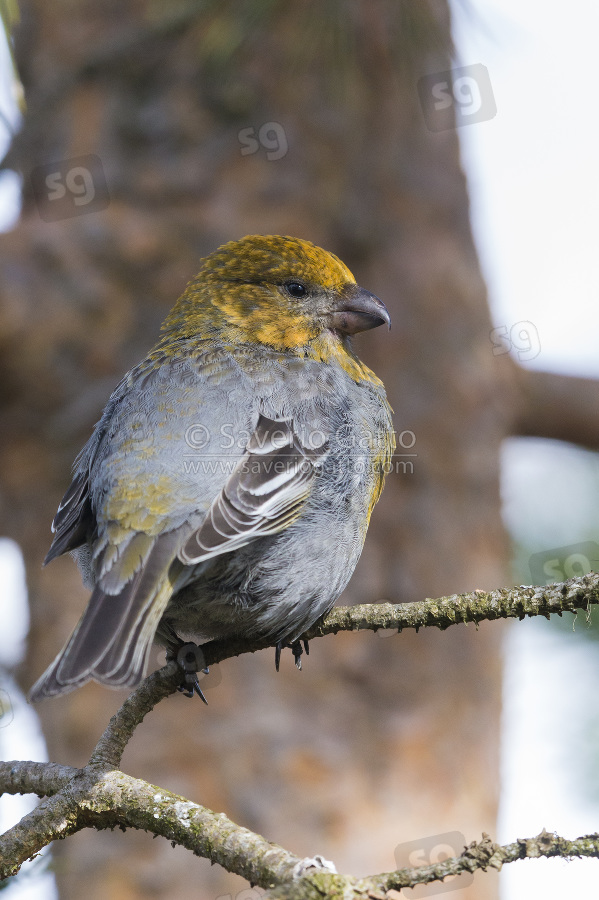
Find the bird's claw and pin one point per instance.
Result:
(190, 658)
(297, 650)
(188, 688)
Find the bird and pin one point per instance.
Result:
(227, 488)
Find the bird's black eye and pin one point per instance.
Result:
(296, 289)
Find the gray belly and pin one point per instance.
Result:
(273, 589)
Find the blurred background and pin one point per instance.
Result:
(448, 154)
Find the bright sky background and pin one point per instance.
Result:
(10, 183)
(532, 172)
(534, 187)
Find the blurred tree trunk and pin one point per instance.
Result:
(381, 739)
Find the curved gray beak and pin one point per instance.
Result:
(358, 310)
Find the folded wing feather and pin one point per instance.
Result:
(264, 494)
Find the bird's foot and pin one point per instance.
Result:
(190, 658)
(296, 648)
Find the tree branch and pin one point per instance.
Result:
(111, 746)
(96, 798)
(41, 778)
(101, 796)
(481, 855)
(561, 407)
(478, 606)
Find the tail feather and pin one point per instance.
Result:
(113, 638)
(125, 660)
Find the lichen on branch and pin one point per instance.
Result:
(101, 796)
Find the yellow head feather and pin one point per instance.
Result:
(239, 296)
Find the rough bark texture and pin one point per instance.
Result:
(100, 796)
(380, 740)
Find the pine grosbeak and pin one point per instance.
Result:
(227, 488)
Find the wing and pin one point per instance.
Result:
(73, 520)
(264, 494)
